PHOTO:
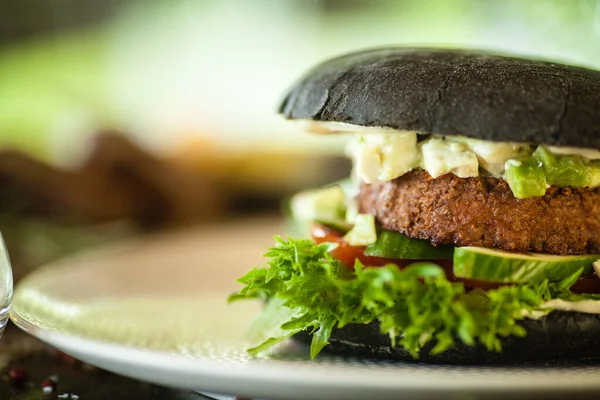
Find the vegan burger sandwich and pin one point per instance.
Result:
(469, 230)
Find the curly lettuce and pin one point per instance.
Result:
(415, 306)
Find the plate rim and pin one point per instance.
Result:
(371, 378)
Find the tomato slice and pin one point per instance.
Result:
(349, 254)
(587, 284)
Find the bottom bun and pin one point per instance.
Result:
(560, 337)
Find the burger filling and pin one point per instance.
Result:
(438, 240)
(529, 170)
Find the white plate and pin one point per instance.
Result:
(155, 309)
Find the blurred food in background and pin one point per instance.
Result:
(121, 117)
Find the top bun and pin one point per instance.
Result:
(451, 92)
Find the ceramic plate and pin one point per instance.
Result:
(155, 309)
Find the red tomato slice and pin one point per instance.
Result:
(348, 254)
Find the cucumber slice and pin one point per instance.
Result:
(325, 204)
(392, 244)
(505, 267)
(339, 226)
(363, 232)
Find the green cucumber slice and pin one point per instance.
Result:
(325, 204)
(505, 267)
(392, 244)
(363, 232)
(339, 226)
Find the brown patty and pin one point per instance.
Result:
(484, 212)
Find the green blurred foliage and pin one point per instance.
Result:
(42, 82)
(46, 82)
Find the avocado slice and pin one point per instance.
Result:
(526, 178)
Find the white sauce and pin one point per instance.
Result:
(535, 314)
(596, 266)
(341, 127)
(583, 306)
(591, 154)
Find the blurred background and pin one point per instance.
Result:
(120, 117)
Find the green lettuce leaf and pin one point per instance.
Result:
(414, 306)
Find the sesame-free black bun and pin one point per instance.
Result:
(452, 92)
(561, 337)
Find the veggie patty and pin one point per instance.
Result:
(483, 212)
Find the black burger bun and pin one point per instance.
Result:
(560, 338)
(450, 92)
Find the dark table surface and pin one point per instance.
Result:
(28, 366)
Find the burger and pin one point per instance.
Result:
(469, 229)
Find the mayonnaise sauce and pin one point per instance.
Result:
(582, 306)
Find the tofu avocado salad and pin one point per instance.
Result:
(469, 229)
